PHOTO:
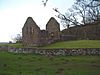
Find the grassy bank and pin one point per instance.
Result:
(17, 45)
(29, 64)
(65, 44)
(76, 44)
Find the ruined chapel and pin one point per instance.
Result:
(33, 36)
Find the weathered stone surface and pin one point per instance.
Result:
(53, 29)
(30, 33)
(3, 48)
(65, 52)
(88, 31)
(33, 36)
(54, 52)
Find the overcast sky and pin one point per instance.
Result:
(13, 14)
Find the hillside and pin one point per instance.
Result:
(75, 44)
(65, 44)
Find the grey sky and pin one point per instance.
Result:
(13, 14)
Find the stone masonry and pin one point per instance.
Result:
(63, 51)
(33, 36)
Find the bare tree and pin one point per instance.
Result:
(45, 2)
(68, 18)
(18, 38)
(80, 9)
(93, 13)
(87, 10)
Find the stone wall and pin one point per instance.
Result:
(88, 31)
(65, 52)
(53, 29)
(3, 48)
(32, 35)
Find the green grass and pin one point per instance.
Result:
(17, 45)
(75, 44)
(29, 64)
(66, 44)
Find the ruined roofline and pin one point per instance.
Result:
(30, 19)
(52, 18)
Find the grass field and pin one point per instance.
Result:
(67, 44)
(17, 45)
(29, 64)
(76, 44)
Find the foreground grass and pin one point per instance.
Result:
(76, 44)
(29, 64)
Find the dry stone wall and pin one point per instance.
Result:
(60, 51)
(65, 52)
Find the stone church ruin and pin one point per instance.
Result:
(32, 35)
